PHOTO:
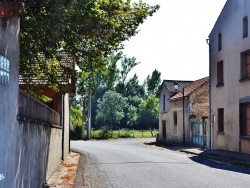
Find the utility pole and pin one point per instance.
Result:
(89, 110)
(83, 115)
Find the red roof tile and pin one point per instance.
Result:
(9, 9)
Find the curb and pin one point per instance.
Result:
(220, 159)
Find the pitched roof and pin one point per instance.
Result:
(170, 85)
(190, 88)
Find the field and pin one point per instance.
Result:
(123, 133)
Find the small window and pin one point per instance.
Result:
(164, 129)
(175, 122)
(245, 65)
(220, 73)
(219, 41)
(245, 119)
(245, 27)
(4, 70)
(221, 120)
(164, 103)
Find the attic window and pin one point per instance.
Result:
(219, 41)
(4, 70)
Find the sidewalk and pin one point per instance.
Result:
(65, 173)
(228, 157)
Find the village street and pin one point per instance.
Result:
(128, 163)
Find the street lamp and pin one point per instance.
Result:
(176, 85)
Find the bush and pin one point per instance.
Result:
(105, 132)
(76, 134)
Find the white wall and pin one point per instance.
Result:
(230, 25)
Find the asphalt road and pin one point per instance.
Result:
(128, 163)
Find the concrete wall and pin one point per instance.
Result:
(55, 150)
(66, 125)
(32, 155)
(230, 24)
(9, 48)
(39, 142)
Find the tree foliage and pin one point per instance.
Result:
(87, 31)
(153, 82)
(148, 113)
(111, 108)
(111, 79)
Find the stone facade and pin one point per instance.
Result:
(196, 105)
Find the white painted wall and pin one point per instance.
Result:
(230, 24)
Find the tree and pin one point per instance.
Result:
(153, 82)
(133, 88)
(127, 65)
(111, 108)
(87, 31)
(148, 112)
(76, 119)
(132, 116)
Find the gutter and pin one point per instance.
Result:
(210, 99)
(62, 118)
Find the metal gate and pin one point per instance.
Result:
(199, 133)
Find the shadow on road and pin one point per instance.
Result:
(218, 159)
(220, 165)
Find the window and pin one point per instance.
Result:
(245, 65)
(245, 27)
(4, 70)
(175, 122)
(219, 41)
(245, 119)
(220, 73)
(163, 129)
(221, 120)
(164, 103)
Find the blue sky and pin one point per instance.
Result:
(173, 40)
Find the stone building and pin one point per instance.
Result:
(188, 126)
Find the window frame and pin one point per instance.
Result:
(244, 65)
(220, 73)
(245, 27)
(164, 129)
(4, 70)
(220, 121)
(175, 120)
(219, 41)
(164, 103)
(244, 106)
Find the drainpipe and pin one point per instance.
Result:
(210, 109)
(62, 123)
(69, 119)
